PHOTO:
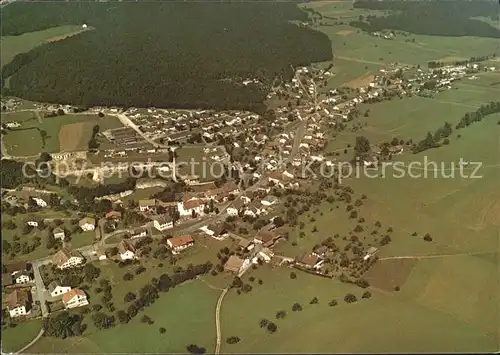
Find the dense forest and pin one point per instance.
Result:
(439, 18)
(160, 53)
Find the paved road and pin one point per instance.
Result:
(129, 123)
(217, 320)
(40, 287)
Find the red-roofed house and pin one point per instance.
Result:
(75, 298)
(177, 244)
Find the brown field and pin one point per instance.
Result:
(344, 33)
(70, 135)
(361, 81)
(387, 274)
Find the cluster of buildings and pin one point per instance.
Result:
(190, 126)
(17, 280)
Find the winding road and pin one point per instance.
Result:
(30, 343)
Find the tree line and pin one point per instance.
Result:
(438, 64)
(441, 135)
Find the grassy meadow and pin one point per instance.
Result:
(14, 45)
(13, 339)
(187, 312)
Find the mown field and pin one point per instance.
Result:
(63, 133)
(187, 312)
(382, 323)
(14, 45)
(13, 339)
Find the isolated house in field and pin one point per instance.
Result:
(32, 223)
(126, 250)
(65, 258)
(75, 298)
(58, 233)
(163, 222)
(234, 264)
(87, 224)
(18, 303)
(57, 290)
(370, 253)
(178, 244)
(147, 205)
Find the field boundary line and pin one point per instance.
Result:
(217, 320)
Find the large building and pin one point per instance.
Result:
(65, 258)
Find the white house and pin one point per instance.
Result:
(163, 222)
(146, 205)
(254, 209)
(75, 298)
(269, 200)
(186, 208)
(58, 233)
(18, 303)
(32, 223)
(21, 277)
(138, 233)
(126, 250)
(40, 202)
(64, 259)
(58, 290)
(235, 208)
(87, 224)
(370, 253)
(177, 244)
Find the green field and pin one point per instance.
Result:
(27, 139)
(14, 45)
(367, 53)
(187, 312)
(383, 323)
(13, 339)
